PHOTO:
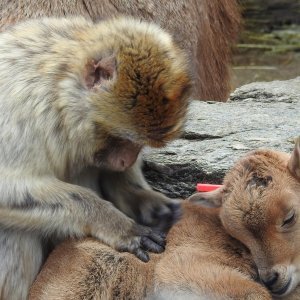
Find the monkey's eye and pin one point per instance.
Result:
(289, 219)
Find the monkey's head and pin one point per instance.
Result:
(138, 82)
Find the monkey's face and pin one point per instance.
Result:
(117, 154)
(141, 93)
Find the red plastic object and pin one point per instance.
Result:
(206, 187)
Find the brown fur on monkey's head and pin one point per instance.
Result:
(143, 78)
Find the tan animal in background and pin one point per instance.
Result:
(206, 29)
(78, 101)
(201, 261)
(261, 208)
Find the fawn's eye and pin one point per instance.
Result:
(289, 219)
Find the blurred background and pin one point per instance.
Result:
(269, 44)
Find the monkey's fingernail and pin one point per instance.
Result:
(149, 245)
(142, 255)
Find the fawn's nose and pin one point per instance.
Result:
(269, 278)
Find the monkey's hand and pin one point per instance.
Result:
(146, 207)
(139, 240)
(132, 195)
(122, 233)
(156, 210)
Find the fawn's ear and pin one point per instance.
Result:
(97, 73)
(208, 199)
(294, 162)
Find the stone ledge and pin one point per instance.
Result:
(258, 115)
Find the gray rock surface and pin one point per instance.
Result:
(258, 115)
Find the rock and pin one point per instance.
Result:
(257, 115)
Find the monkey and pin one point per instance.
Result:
(78, 103)
(206, 29)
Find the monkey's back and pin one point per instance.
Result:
(32, 57)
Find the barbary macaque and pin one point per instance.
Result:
(78, 102)
(206, 29)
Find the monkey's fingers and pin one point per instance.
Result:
(169, 213)
(176, 209)
(150, 245)
(158, 238)
(141, 254)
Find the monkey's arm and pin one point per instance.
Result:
(130, 192)
(51, 206)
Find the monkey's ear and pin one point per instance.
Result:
(208, 199)
(294, 162)
(98, 72)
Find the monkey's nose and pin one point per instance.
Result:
(269, 279)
